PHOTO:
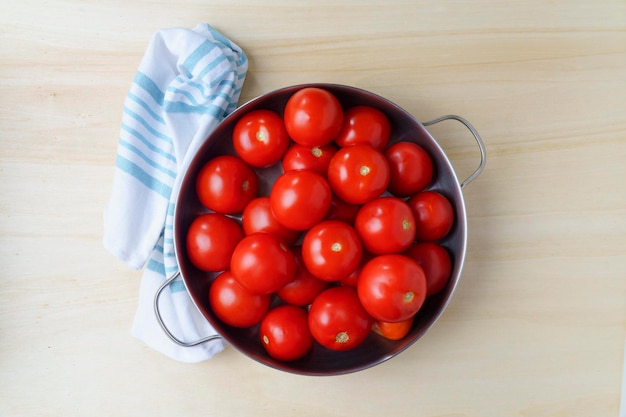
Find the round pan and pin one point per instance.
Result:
(375, 349)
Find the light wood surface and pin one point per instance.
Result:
(537, 325)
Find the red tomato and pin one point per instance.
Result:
(258, 217)
(262, 263)
(235, 305)
(353, 279)
(303, 289)
(331, 250)
(337, 319)
(392, 288)
(300, 199)
(313, 117)
(342, 211)
(393, 331)
(358, 173)
(226, 184)
(386, 225)
(434, 215)
(211, 240)
(260, 138)
(316, 159)
(436, 263)
(410, 168)
(364, 125)
(285, 333)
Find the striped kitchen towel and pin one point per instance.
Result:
(187, 82)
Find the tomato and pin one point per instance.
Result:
(436, 263)
(340, 210)
(392, 287)
(258, 217)
(262, 263)
(353, 279)
(235, 305)
(337, 319)
(313, 116)
(331, 250)
(316, 158)
(364, 125)
(303, 289)
(260, 138)
(358, 173)
(285, 333)
(300, 199)
(410, 168)
(211, 240)
(393, 331)
(386, 225)
(226, 184)
(434, 215)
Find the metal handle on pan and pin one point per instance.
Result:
(157, 312)
(481, 145)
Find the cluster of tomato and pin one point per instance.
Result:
(346, 238)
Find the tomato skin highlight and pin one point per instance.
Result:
(436, 263)
(300, 199)
(410, 168)
(313, 117)
(331, 250)
(226, 184)
(358, 173)
(235, 305)
(364, 125)
(434, 215)
(211, 241)
(392, 288)
(260, 138)
(262, 263)
(386, 225)
(285, 333)
(337, 319)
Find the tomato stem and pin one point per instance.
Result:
(342, 337)
(364, 170)
(317, 152)
(260, 136)
(408, 296)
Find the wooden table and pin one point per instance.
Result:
(537, 325)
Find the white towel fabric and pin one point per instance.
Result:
(187, 82)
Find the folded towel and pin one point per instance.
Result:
(187, 82)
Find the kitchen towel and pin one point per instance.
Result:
(187, 82)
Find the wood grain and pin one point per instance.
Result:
(538, 323)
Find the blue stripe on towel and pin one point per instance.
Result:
(149, 161)
(156, 266)
(177, 286)
(201, 51)
(142, 176)
(178, 107)
(148, 144)
(145, 106)
(143, 81)
(147, 126)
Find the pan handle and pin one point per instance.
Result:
(157, 313)
(479, 141)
